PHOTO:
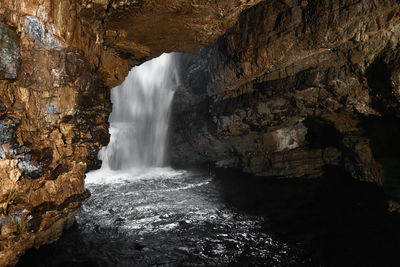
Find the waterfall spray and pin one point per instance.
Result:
(139, 120)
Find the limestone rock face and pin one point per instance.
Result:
(293, 87)
(58, 61)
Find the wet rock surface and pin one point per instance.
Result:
(285, 92)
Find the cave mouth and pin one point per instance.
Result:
(140, 117)
(142, 212)
(139, 120)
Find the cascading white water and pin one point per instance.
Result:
(179, 216)
(139, 120)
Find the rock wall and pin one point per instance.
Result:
(58, 61)
(293, 87)
(54, 109)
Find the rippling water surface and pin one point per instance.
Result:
(164, 217)
(156, 216)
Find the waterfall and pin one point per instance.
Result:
(139, 119)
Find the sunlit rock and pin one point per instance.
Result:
(35, 28)
(9, 52)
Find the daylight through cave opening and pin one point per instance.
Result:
(140, 116)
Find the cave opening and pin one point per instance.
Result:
(143, 212)
(139, 120)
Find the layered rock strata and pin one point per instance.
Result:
(293, 87)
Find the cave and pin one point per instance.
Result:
(199, 133)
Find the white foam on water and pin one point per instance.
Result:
(108, 176)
